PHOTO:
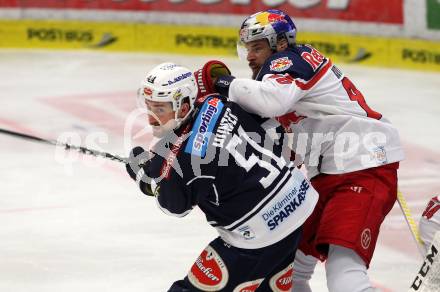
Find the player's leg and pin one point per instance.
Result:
(307, 256)
(212, 270)
(179, 286)
(277, 263)
(346, 271)
(222, 267)
(303, 266)
(356, 206)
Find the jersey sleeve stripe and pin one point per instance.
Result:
(315, 79)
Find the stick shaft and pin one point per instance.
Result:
(67, 146)
(411, 223)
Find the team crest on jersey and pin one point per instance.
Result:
(280, 64)
(380, 155)
(288, 119)
(282, 281)
(209, 272)
(249, 286)
(247, 232)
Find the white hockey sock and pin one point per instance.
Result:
(303, 268)
(346, 271)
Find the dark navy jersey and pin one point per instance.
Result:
(224, 161)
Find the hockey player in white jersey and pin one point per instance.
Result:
(351, 152)
(214, 155)
(429, 223)
(427, 278)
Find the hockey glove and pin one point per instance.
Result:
(222, 84)
(138, 169)
(207, 76)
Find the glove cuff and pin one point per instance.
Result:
(222, 84)
(204, 83)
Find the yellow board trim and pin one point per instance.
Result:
(207, 40)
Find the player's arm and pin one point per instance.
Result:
(274, 96)
(172, 195)
(286, 77)
(267, 98)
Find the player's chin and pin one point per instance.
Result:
(254, 67)
(255, 73)
(255, 70)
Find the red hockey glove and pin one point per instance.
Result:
(208, 74)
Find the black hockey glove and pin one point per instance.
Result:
(222, 84)
(138, 169)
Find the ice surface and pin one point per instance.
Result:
(75, 223)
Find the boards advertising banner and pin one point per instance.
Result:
(207, 40)
(376, 11)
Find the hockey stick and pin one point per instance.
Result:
(428, 276)
(411, 223)
(66, 146)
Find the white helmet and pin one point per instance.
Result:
(168, 82)
(270, 24)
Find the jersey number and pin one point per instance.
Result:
(356, 95)
(253, 159)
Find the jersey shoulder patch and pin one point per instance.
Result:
(289, 62)
(280, 64)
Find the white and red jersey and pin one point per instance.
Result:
(430, 222)
(336, 132)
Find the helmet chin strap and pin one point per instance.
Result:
(162, 130)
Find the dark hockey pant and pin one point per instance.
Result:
(222, 267)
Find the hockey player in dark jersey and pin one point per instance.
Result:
(215, 155)
(351, 152)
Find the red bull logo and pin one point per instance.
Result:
(280, 64)
(272, 17)
(266, 18)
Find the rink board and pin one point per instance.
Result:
(209, 40)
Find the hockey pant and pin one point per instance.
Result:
(222, 267)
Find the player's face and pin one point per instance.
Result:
(162, 112)
(257, 53)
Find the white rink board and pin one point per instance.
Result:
(84, 226)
